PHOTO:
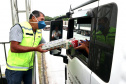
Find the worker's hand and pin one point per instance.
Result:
(83, 44)
(39, 48)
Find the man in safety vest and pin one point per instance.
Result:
(25, 38)
(105, 34)
(104, 40)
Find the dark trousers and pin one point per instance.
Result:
(15, 77)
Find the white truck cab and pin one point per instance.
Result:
(101, 22)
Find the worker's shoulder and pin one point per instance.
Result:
(16, 27)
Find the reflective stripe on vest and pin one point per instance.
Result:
(17, 67)
(24, 61)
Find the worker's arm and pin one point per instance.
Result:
(15, 47)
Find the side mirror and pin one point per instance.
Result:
(56, 30)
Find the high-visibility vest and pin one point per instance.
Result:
(24, 61)
(110, 37)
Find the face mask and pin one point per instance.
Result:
(41, 24)
(101, 27)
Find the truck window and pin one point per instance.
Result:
(102, 41)
(81, 31)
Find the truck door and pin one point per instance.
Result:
(80, 27)
(102, 43)
(77, 67)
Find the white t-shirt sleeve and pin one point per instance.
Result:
(16, 33)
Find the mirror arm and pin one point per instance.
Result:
(65, 60)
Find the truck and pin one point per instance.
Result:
(101, 22)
